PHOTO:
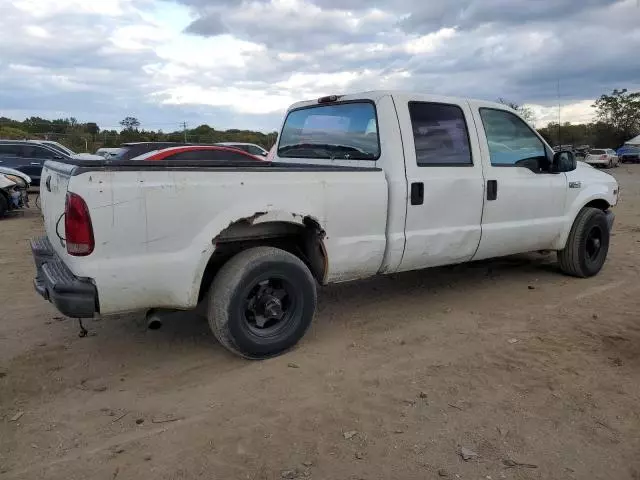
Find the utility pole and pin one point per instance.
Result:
(559, 139)
(184, 129)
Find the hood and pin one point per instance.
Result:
(17, 173)
(588, 174)
(87, 156)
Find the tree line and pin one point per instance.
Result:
(88, 137)
(616, 120)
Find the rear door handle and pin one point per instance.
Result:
(492, 189)
(417, 193)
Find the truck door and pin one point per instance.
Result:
(444, 181)
(524, 201)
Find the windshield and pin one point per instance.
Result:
(597, 152)
(346, 131)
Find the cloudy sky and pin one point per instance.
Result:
(239, 64)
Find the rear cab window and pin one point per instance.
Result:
(440, 135)
(342, 131)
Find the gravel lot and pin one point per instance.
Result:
(508, 358)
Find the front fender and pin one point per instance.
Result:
(597, 194)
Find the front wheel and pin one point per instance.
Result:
(261, 302)
(587, 245)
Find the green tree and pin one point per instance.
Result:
(621, 111)
(130, 124)
(524, 112)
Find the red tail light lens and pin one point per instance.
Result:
(603, 157)
(77, 226)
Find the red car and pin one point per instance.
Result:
(199, 152)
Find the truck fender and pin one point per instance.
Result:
(246, 216)
(598, 196)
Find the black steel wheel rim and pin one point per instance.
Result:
(594, 243)
(271, 306)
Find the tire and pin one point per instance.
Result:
(4, 205)
(580, 257)
(610, 164)
(243, 291)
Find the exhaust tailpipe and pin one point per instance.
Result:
(154, 322)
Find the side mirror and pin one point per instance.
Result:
(57, 156)
(564, 161)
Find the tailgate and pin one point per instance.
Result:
(53, 192)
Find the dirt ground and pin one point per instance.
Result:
(508, 359)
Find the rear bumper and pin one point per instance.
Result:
(72, 296)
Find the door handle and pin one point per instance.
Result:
(417, 193)
(35, 163)
(492, 189)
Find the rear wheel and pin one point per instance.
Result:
(587, 245)
(261, 302)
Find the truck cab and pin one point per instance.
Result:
(468, 179)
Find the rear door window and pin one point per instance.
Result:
(440, 134)
(40, 153)
(11, 150)
(345, 131)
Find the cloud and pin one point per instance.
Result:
(240, 63)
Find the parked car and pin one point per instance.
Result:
(360, 185)
(602, 157)
(629, 154)
(199, 153)
(582, 150)
(251, 148)
(14, 190)
(135, 149)
(27, 157)
(108, 153)
(66, 151)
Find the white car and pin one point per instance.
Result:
(359, 185)
(67, 151)
(602, 157)
(109, 153)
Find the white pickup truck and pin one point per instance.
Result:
(357, 185)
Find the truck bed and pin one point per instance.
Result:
(156, 224)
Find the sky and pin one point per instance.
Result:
(240, 64)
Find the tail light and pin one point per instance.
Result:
(77, 226)
(603, 157)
